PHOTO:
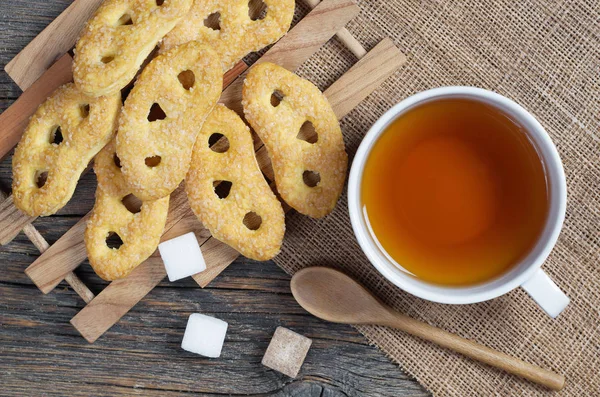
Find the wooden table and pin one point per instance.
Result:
(41, 353)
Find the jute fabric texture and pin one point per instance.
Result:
(545, 56)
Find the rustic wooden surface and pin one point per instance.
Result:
(41, 353)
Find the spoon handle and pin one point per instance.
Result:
(474, 350)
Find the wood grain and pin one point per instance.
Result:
(118, 298)
(52, 43)
(217, 257)
(14, 119)
(364, 76)
(344, 36)
(42, 245)
(50, 268)
(141, 355)
(12, 221)
(121, 295)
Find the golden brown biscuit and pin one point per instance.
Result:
(163, 115)
(117, 39)
(237, 34)
(309, 174)
(234, 173)
(139, 231)
(62, 137)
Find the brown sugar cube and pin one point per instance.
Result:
(286, 352)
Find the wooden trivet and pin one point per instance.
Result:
(35, 71)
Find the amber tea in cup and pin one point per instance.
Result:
(455, 192)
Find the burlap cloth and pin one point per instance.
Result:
(545, 56)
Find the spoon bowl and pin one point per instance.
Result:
(333, 296)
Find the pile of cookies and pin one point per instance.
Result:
(164, 131)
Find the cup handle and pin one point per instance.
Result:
(546, 294)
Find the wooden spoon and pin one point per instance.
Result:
(333, 296)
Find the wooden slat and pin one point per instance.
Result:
(117, 299)
(12, 221)
(300, 43)
(343, 95)
(217, 256)
(121, 295)
(362, 78)
(42, 245)
(53, 42)
(14, 119)
(344, 35)
(50, 268)
(79, 287)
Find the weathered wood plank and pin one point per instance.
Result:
(39, 346)
(14, 119)
(12, 221)
(254, 298)
(364, 77)
(53, 42)
(42, 245)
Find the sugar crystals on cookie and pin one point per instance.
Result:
(310, 169)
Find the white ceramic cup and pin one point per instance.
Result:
(527, 273)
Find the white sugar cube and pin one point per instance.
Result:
(204, 335)
(182, 256)
(286, 352)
